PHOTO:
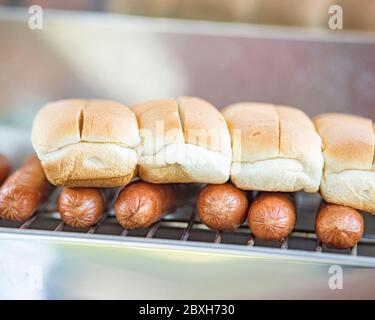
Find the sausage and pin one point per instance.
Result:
(24, 191)
(338, 226)
(4, 168)
(222, 206)
(140, 204)
(81, 207)
(272, 216)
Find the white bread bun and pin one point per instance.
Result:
(86, 143)
(275, 148)
(349, 173)
(183, 140)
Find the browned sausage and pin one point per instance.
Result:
(140, 204)
(338, 226)
(4, 168)
(81, 207)
(24, 191)
(272, 216)
(222, 206)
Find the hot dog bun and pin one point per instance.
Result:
(275, 148)
(272, 216)
(339, 226)
(86, 143)
(183, 140)
(222, 207)
(349, 172)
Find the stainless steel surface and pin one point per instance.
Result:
(134, 58)
(176, 258)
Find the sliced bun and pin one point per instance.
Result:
(86, 143)
(183, 140)
(275, 148)
(349, 173)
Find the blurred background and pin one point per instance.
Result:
(359, 14)
(224, 51)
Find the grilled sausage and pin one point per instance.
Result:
(81, 207)
(140, 204)
(24, 191)
(4, 168)
(272, 216)
(338, 227)
(222, 206)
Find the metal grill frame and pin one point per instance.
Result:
(186, 225)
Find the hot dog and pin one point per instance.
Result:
(338, 226)
(24, 191)
(4, 168)
(140, 204)
(222, 206)
(272, 216)
(81, 207)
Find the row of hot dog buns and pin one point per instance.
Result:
(263, 147)
(271, 216)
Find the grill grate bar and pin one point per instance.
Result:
(218, 236)
(186, 232)
(60, 226)
(251, 241)
(97, 225)
(354, 250)
(318, 247)
(304, 235)
(28, 222)
(153, 230)
(285, 243)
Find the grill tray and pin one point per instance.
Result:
(184, 225)
(177, 258)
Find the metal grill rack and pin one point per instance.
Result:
(184, 225)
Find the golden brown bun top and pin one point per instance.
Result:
(183, 120)
(263, 131)
(66, 122)
(257, 127)
(161, 118)
(198, 115)
(348, 141)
